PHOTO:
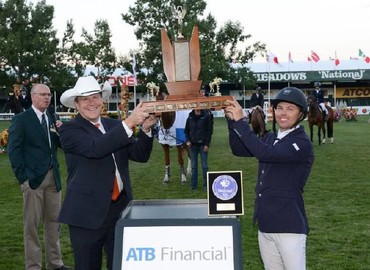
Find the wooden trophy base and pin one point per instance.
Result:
(187, 102)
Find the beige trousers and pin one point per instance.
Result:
(41, 204)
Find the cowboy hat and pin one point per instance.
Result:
(85, 86)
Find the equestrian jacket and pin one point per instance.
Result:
(319, 96)
(284, 167)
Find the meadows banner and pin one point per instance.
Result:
(310, 76)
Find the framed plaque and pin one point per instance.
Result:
(225, 193)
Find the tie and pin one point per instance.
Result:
(116, 192)
(44, 126)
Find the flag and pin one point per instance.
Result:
(363, 56)
(315, 57)
(272, 58)
(309, 59)
(336, 60)
(290, 58)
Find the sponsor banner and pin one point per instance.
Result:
(178, 247)
(322, 75)
(353, 92)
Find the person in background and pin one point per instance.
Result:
(285, 160)
(12, 104)
(98, 151)
(25, 98)
(32, 148)
(257, 99)
(198, 133)
(319, 95)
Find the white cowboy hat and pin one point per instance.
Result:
(85, 86)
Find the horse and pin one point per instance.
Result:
(171, 133)
(257, 120)
(315, 117)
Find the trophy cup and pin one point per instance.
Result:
(181, 64)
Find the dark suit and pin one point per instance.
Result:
(29, 151)
(36, 168)
(88, 207)
(25, 101)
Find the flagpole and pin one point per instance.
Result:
(134, 71)
(268, 82)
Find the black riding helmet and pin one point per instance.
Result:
(291, 95)
(317, 84)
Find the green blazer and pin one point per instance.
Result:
(29, 151)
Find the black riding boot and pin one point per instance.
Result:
(324, 115)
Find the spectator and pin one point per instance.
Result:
(32, 149)
(25, 98)
(198, 133)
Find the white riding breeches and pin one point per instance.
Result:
(283, 251)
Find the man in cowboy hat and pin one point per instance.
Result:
(97, 152)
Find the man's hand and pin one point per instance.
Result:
(137, 116)
(234, 111)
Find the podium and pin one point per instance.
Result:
(176, 234)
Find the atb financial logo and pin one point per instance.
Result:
(146, 254)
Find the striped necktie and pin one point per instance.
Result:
(44, 126)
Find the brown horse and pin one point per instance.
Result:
(257, 119)
(315, 117)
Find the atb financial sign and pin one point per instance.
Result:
(178, 247)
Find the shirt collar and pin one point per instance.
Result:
(282, 134)
(38, 112)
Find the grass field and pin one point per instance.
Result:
(337, 198)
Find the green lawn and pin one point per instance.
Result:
(337, 198)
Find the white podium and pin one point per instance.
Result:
(176, 234)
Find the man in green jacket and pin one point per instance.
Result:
(32, 147)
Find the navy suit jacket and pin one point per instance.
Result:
(91, 168)
(29, 151)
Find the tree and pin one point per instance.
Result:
(218, 48)
(28, 42)
(97, 49)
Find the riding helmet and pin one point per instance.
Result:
(291, 95)
(317, 84)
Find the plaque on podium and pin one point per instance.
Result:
(176, 234)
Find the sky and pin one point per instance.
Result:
(327, 27)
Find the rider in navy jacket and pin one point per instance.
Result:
(285, 160)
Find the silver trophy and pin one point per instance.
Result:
(180, 14)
